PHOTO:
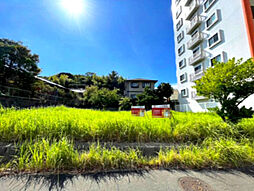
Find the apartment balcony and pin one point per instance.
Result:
(187, 2)
(196, 39)
(196, 58)
(194, 77)
(194, 23)
(196, 97)
(195, 4)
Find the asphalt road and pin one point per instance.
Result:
(159, 180)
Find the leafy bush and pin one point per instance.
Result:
(101, 98)
(230, 84)
(125, 104)
(148, 98)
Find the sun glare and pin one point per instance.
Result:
(73, 7)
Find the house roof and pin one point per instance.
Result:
(78, 90)
(49, 82)
(141, 80)
(60, 86)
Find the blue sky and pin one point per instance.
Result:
(133, 37)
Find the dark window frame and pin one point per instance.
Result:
(214, 39)
(144, 84)
(197, 71)
(216, 59)
(134, 86)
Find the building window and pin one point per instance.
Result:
(180, 37)
(208, 4)
(179, 24)
(146, 84)
(182, 63)
(212, 20)
(196, 51)
(179, 11)
(216, 59)
(183, 77)
(194, 34)
(135, 85)
(198, 69)
(215, 39)
(177, 2)
(184, 92)
(181, 50)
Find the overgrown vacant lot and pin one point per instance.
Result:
(46, 135)
(89, 125)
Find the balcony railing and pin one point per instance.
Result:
(196, 39)
(196, 97)
(187, 2)
(194, 77)
(194, 23)
(196, 58)
(195, 4)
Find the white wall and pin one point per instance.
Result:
(234, 43)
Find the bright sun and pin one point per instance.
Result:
(73, 7)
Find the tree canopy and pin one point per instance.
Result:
(230, 84)
(164, 92)
(17, 64)
(101, 98)
(148, 98)
(161, 95)
(112, 81)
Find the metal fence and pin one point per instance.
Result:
(10, 96)
(209, 105)
(205, 106)
(182, 108)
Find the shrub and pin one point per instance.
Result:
(125, 104)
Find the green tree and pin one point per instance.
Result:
(230, 84)
(64, 80)
(89, 78)
(87, 96)
(147, 98)
(18, 65)
(125, 103)
(42, 88)
(164, 92)
(114, 81)
(98, 81)
(101, 98)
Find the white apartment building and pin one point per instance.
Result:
(206, 30)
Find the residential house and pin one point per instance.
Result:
(133, 87)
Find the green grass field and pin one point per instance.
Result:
(46, 136)
(89, 125)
